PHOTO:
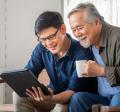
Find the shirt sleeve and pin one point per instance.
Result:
(81, 84)
(35, 63)
(113, 73)
(84, 84)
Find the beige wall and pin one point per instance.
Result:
(19, 39)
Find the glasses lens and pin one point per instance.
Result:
(41, 40)
(52, 37)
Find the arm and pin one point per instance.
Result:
(63, 97)
(111, 71)
(35, 63)
(38, 95)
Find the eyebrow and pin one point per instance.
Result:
(77, 26)
(48, 36)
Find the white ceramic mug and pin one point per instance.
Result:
(79, 64)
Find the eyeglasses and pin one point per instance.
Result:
(51, 37)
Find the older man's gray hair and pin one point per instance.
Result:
(90, 12)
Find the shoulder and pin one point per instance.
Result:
(80, 52)
(113, 37)
(114, 33)
(39, 48)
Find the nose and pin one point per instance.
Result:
(78, 33)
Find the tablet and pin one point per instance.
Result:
(20, 80)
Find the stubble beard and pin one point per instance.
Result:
(85, 44)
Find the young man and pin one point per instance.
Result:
(57, 53)
(104, 41)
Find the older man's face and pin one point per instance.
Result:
(82, 30)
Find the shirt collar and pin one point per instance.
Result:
(70, 50)
(104, 34)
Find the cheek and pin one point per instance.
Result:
(44, 44)
(85, 32)
(61, 37)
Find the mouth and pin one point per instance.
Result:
(83, 38)
(52, 47)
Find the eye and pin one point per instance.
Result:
(80, 28)
(43, 39)
(73, 31)
(51, 36)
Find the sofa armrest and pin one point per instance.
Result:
(2, 81)
(96, 107)
(6, 107)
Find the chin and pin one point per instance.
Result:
(53, 52)
(85, 45)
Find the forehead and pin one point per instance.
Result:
(76, 19)
(47, 32)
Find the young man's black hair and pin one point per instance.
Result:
(48, 19)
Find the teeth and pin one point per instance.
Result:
(80, 38)
(53, 46)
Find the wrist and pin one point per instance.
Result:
(102, 72)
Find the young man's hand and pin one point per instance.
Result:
(38, 95)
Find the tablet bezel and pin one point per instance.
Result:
(20, 80)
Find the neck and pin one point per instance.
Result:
(97, 43)
(65, 48)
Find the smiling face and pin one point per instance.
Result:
(54, 46)
(85, 32)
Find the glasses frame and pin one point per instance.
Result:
(49, 38)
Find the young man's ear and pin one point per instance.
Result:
(63, 29)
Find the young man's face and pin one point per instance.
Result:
(55, 45)
(84, 31)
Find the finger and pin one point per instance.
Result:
(86, 76)
(31, 92)
(51, 91)
(36, 93)
(91, 61)
(41, 93)
(83, 68)
(83, 73)
(84, 64)
(29, 95)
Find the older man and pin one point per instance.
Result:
(104, 41)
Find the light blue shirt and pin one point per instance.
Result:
(104, 88)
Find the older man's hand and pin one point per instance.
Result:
(92, 69)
